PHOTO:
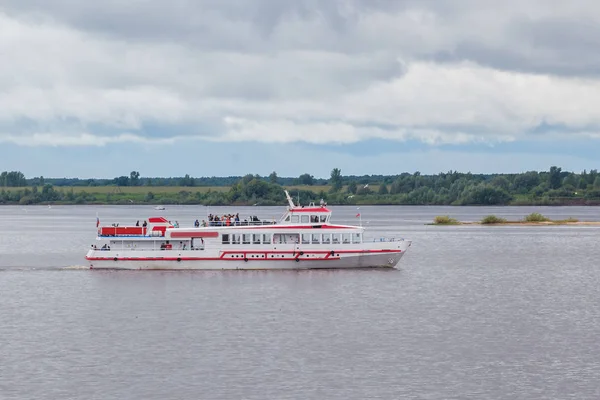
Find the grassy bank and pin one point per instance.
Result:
(257, 192)
(133, 190)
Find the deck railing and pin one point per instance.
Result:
(240, 223)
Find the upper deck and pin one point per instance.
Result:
(296, 218)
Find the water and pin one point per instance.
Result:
(472, 312)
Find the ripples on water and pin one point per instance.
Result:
(471, 312)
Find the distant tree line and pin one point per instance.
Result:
(554, 186)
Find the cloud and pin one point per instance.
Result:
(438, 72)
(286, 131)
(74, 140)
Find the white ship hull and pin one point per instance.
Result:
(250, 260)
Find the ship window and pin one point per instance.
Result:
(225, 238)
(287, 219)
(295, 219)
(326, 238)
(314, 218)
(316, 238)
(346, 237)
(336, 237)
(304, 219)
(266, 238)
(323, 218)
(246, 238)
(290, 238)
(235, 238)
(356, 238)
(256, 238)
(306, 238)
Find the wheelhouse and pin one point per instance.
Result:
(300, 215)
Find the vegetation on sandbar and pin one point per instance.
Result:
(492, 219)
(531, 219)
(445, 220)
(536, 217)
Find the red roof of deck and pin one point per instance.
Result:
(158, 220)
(315, 226)
(309, 210)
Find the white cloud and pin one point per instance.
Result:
(286, 131)
(81, 139)
(298, 71)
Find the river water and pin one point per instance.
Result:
(471, 312)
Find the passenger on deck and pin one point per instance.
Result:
(145, 224)
(176, 224)
(168, 246)
(237, 219)
(137, 223)
(203, 223)
(196, 223)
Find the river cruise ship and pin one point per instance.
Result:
(304, 238)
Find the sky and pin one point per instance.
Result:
(230, 87)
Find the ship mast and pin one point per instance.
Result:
(289, 199)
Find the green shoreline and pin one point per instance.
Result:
(270, 204)
(128, 199)
(546, 188)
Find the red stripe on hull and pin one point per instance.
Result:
(312, 251)
(244, 254)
